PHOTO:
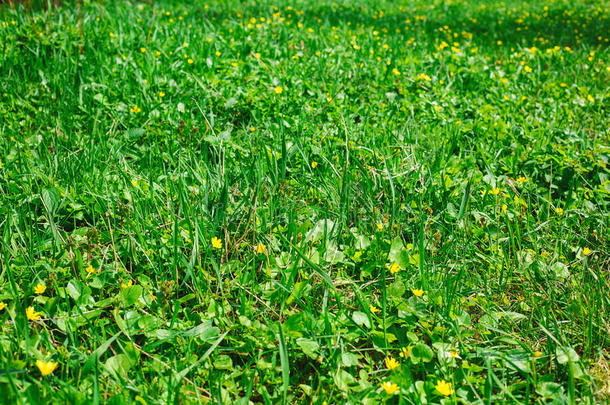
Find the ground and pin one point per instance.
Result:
(305, 202)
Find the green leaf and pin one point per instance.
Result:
(396, 290)
(343, 380)
(118, 364)
(565, 354)
(361, 319)
(51, 199)
(560, 270)
(398, 253)
(223, 362)
(421, 353)
(309, 347)
(130, 295)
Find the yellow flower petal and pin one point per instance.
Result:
(46, 367)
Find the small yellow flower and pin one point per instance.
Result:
(143, 50)
(504, 207)
(260, 248)
(527, 69)
(278, 90)
(586, 251)
(396, 72)
(423, 76)
(40, 288)
(537, 354)
(46, 367)
(373, 309)
(190, 61)
(444, 387)
(417, 292)
(405, 352)
(2, 306)
(455, 354)
(379, 226)
(590, 98)
(389, 387)
(391, 363)
(559, 211)
(394, 268)
(161, 94)
(314, 164)
(129, 284)
(216, 243)
(31, 314)
(135, 109)
(90, 269)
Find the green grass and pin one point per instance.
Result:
(326, 145)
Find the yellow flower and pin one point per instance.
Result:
(586, 251)
(559, 211)
(455, 354)
(2, 306)
(389, 388)
(216, 243)
(373, 309)
(260, 248)
(278, 90)
(31, 314)
(190, 61)
(405, 352)
(314, 165)
(591, 98)
(423, 76)
(129, 284)
(394, 268)
(444, 387)
(527, 69)
(537, 353)
(46, 367)
(90, 269)
(143, 50)
(135, 109)
(391, 363)
(161, 94)
(417, 292)
(40, 288)
(396, 72)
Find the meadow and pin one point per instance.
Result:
(289, 201)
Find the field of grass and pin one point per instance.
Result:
(288, 201)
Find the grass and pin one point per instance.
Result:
(278, 202)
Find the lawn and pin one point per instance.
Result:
(324, 202)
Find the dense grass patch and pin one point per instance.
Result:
(305, 202)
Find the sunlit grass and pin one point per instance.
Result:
(314, 202)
